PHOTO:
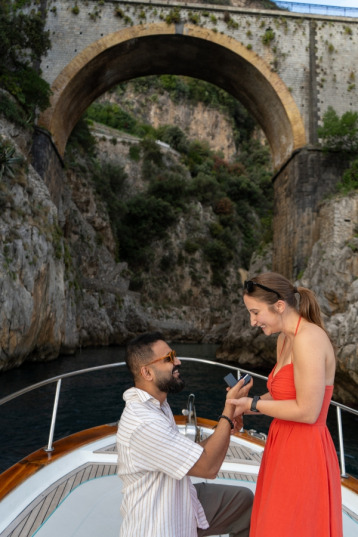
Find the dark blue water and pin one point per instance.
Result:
(96, 398)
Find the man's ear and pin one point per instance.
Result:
(146, 373)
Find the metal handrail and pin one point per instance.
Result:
(58, 379)
(318, 9)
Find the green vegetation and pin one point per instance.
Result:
(193, 91)
(173, 16)
(115, 117)
(349, 181)
(268, 36)
(194, 18)
(339, 133)
(239, 193)
(9, 162)
(23, 42)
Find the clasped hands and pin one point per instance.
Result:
(238, 396)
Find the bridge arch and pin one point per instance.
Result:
(179, 49)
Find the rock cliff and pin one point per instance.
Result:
(332, 273)
(62, 287)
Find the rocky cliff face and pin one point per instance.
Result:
(33, 293)
(198, 120)
(332, 273)
(62, 288)
(176, 292)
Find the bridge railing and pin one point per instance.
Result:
(315, 9)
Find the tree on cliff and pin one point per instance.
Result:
(23, 41)
(339, 133)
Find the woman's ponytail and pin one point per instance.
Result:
(309, 308)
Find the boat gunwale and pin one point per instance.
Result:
(20, 471)
(17, 474)
(39, 459)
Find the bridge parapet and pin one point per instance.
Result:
(285, 68)
(311, 54)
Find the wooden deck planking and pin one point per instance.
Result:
(68, 485)
(59, 494)
(36, 513)
(243, 455)
(108, 449)
(236, 475)
(78, 479)
(45, 510)
(18, 530)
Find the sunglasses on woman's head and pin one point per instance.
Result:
(249, 286)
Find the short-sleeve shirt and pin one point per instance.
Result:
(159, 499)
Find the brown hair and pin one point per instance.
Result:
(308, 306)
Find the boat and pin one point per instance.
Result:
(70, 487)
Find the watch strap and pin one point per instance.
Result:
(254, 403)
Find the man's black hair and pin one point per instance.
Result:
(139, 348)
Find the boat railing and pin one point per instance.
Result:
(59, 378)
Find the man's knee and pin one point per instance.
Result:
(241, 495)
(247, 495)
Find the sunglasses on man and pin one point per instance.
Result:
(170, 357)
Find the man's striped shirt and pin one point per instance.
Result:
(159, 499)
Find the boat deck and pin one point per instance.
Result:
(30, 520)
(98, 498)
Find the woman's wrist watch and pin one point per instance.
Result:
(254, 403)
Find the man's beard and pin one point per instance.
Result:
(171, 385)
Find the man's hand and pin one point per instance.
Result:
(239, 390)
(238, 424)
(233, 394)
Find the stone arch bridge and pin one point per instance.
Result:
(285, 68)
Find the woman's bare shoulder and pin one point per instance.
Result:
(312, 335)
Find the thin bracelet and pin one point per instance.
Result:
(228, 419)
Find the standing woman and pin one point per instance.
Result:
(298, 491)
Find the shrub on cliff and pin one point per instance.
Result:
(23, 41)
(9, 161)
(339, 133)
(349, 180)
(144, 219)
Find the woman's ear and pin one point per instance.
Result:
(280, 306)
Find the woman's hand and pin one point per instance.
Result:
(242, 405)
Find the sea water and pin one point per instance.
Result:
(96, 398)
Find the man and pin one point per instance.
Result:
(155, 460)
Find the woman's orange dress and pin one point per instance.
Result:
(298, 491)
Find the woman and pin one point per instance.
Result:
(298, 491)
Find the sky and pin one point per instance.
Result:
(340, 3)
